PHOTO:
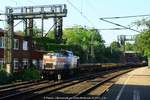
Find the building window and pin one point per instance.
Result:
(25, 45)
(25, 63)
(34, 62)
(1, 63)
(16, 44)
(1, 42)
(16, 64)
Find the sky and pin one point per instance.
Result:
(93, 10)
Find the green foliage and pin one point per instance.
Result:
(143, 23)
(111, 55)
(5, 77)
(84, 38)
(130, 47)
(44, 42)
(51, 35)
(143, 43)
(113, 52)
(115, 46)
(77, 39)
(85, 43)
(1, 67)
(82, 41)
(31, 74)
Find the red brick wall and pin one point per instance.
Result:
(20, 53)
(1, 53)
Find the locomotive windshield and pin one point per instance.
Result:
(55, 55)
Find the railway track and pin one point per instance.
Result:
(20, 87)
(86, 88)
(41, 89)
(26, 90)
(91, 89)
(16, 84)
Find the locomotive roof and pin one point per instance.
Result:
(60, 51)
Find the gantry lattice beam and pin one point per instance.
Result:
(123, 38)
(47, 11)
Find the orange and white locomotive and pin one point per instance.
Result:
(62, 62)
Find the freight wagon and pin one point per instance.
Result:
(65, 63)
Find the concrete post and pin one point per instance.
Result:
(8, 68)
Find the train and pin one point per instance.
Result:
(59, 63)
(65, 63)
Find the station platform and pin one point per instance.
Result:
(134, 85)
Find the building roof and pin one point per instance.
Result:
(19, 33)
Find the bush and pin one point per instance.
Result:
(5, 77)
(31, 74)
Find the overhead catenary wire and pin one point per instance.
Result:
(92, 7)
(18, 23)
(119, 25)
(112, 29)
(118, 17)
(49, 30)
(14, 25)
(104, 29)
(81, 13)
(123, 27)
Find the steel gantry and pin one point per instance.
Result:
(27, 14)
(123, 38)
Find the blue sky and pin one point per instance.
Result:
(93, 9)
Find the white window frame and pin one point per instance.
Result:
(16, 44)
(25, 45)
(16, 63)
(25, 62)
(34, 62)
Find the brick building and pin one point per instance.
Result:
(21, 53)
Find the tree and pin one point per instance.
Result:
(85, 38)
(51, 34)
(144, 23)
(115, 46)
(114, 51)
(129, 47)
(36, 31)
(143, 40)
